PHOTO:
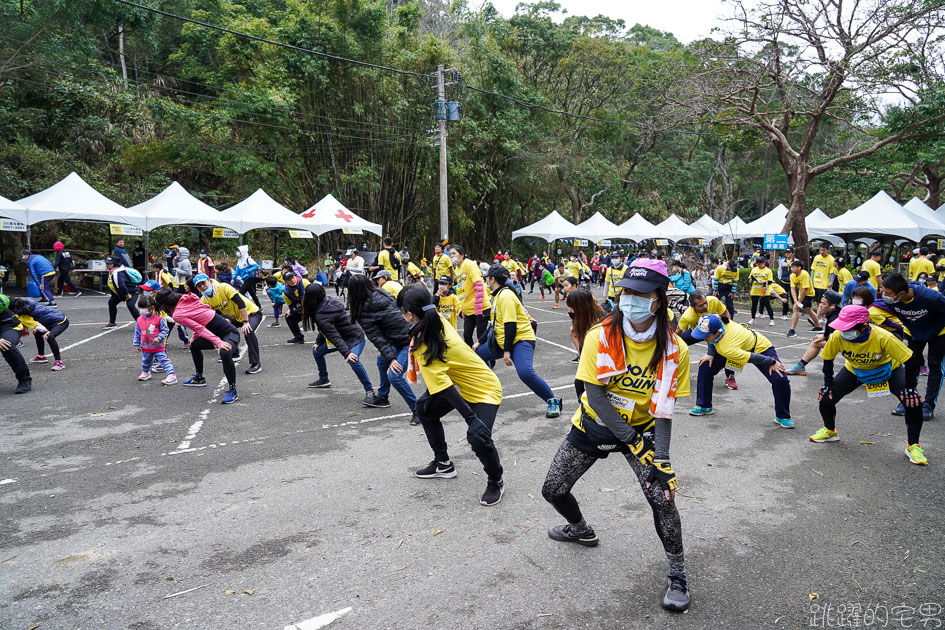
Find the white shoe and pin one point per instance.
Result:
(751, 321)
(771, 323)
(144, 376)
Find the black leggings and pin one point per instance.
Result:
(54, 332)
(846, 382)
(475, 324)
(570, 464)
(933, 385)
(114, 301)
(13, 357)
(725, 294)
(198, 345)
(430, 410)
(249, 288)
(65, 279)
(765, 301)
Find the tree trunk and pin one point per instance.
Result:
(796, 221)
(934, 186)
(574, 197)
(121, 55)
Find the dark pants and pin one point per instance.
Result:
(249, 288)
(780, 385)
(786, 307)
(846, 382)
(725, 294)
(686, 335)
(229, 369)
(54, 332)
(475, 324)
(252, 341)
(44, 288)
(765, 302)
(523, 357)
(114, 301)
(936, 355)
(13, 357)
(431, 409)
(388, 377)
(65, 279)
(292, 321)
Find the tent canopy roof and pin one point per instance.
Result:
(675, 229)
(772, 222)
(880, 216)
(552, 227)
(917, 207)
(260, 211)
(330, 214)
(72, 199)
(597, 228)
(708, 226)
(12, 210)
(637, 229)
(176, 206)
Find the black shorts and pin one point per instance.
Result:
(819, 293)
(806, 302)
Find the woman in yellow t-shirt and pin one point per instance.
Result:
(633, 368)
(472, 295)
(760, 279)
(456, 378)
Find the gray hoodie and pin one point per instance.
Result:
(184, 269)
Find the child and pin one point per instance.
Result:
(274, 289)
(224, 274)
(447, 304)
(150, 334)
(163, 278)
(46, 323)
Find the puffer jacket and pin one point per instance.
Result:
(333, 324)
(384, 324)
(184, 268)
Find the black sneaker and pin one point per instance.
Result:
(27, 384)
(564, 533)
(377, 401)
(197, 380)
(436, 470)
(791, 334)
(819, 329)
(576, 359)
(414, 419)
(52, 304)
(296, 340)
(109, 326)
(493, 493)
(320, 383)
(677, 594)
(254, 368)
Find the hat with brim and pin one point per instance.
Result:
(645, 275)
(862, 276)
(707, 325)
(201, 277)
(833, 297)
(850, 317)
(498, 272)
(383, 273)
(446, 280)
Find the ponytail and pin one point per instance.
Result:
(429, 330)
(167, 299)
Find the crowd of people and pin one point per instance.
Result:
(632, 345)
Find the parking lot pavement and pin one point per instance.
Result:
(299, 506)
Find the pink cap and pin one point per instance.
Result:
(851, 316)
(58, 246)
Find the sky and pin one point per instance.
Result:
(688, 20)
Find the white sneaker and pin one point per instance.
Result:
(771, 323)
(144, 376)
(751, 321)
(170, 380)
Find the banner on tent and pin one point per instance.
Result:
(225, 233)
(120, 229)
(604, 243)
(300, 234)
(662, 242)
(776, 241)
(9, 225)
(352, 231)
(941, 243)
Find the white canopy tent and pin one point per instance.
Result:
(552, 227)
(817, 218)
(176, 206)
(72, 199)
(734, 229)
(917, 207)
(675, 229)
(941, 212)
(12, 210)
(772, 222)
(637, 229)
(878, 217)
(260, 211)
(329, 214)
(597, 228)
(709, 227)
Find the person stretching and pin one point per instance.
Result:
(10, 332)
(46, 323)
(241, 312)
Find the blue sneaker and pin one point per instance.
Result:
(786, 423)
(554, 408)
(197, 380)
(230, 396)
(701, 411)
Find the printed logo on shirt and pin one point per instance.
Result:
(861, 357)
(637, 381)
(916, 314)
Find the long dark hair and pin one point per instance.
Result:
(615, 322)
(360, 289)
(167, 299)
(23, 307)
(312, 298)
(587, 312)
(429, 330)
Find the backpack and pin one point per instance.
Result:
(133, 274)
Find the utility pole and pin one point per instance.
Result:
(444, 203)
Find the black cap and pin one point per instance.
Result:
(789, 250)
(498, 272)
(288, 274)
(446, 280)
(833, 297)
(111, 260)
(862, 276)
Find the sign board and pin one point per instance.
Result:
(120, 229)
(352, 231)
(605, 243)
(662, 242)
(300, 234)
(700, 241)
(580, 242)
(225, 233)
(776, 241)
(9, 225)
(941, 243)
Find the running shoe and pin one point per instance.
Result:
(320, 383)
(275, 325)
(230, 396)
(255, 368)
(701, 411)
(77, 294)
(924, 370)
(171, 379)
(197, 380)
(541, 297)
(24, 386)
(818, 329)
(771, 323)
(186, 346)
(52, 304)
(414, 419)
(677, 594)
(914, 453)
(554, 408)
(791, 334)
(900, 410)
(784, 318)
(156, 367)
(296, 340)
(57, 365)
(751, 321)
(109, 326)
(39, 358)
(566, 533)
(437, 470)
(493, 493)
(786, 423)
(144, 376)
(730, 382)
(927, 410)
(377, 402)
(825, 435)
(555, 306)
(576, 359)
(798, 369)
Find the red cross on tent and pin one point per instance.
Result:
(341, 214)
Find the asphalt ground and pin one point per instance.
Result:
(299, 506)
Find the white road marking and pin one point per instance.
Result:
(101, 334)
(6, 481)
(571, 349)
(320, 621)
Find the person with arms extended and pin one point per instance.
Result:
(239, 311)
(828, 310)
(247, 270)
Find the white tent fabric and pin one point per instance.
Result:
(12, 210)
(709, 227)
(880, 216)
(329, 214)
(637, 229)
(817, 218)
(260, 211)
(72, 199)
(597, 228)
(917, 207)
(176, 206)
(552, 227)
(734, 229)
(772, 222)
(675, 229)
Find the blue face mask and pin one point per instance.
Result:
(853, 336)
(719, 336)
(210, 291)
(636, 308)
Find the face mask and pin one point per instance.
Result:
(571, 314)
(636, 308)
(721, 333)
(209, 291)
(203, 255)
(889, 300)
(849, 335)
(616, 262)
(858, 301)
(454, 260)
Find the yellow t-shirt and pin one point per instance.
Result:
(442, 266)
(940, 266)
(383, 260)
(507, 308)
(613, 277)
(462, 368)
(879, 317)
(918, 265)
(468, 274)
(414, 270)
(690, 317)
(774, 287)
(759, 278)
(393, 287)
(165, 279)
(448, 308)
(724, 276)
(630, 393)
(574, 268)
(222, 302)
(881, 348)
(802, 281)
(872, 267)
(737, 344)
(845, 276)
(821, 268)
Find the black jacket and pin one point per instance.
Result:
(8, 321)
(333, 324)
(384, 324)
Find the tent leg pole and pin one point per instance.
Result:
(29, 233)
(147, 252)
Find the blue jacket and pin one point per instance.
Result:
(924, 316)
(683, 281)
(122, 254)
(850, 286)
(39, 266)
(275, 293)
(47, 316)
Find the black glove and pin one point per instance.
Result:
(662, 473)
(911, 398)
(641, 449)
(478, 434)
(826, 390)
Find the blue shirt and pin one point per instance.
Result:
(852, 285)
(924, 316)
